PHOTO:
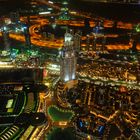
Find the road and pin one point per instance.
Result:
(38, 40)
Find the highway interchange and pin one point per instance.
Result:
(37, 39)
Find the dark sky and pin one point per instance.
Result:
(113, 11)
(123, 12)
(12, 5)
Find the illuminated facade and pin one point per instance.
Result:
(68, 59)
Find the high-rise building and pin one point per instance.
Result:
(27, 36)
(15, 17)
(68, 58)
(5, 36)
(77, 41)
(96, 40)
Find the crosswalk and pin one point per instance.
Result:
(7, 135)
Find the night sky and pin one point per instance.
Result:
(122, 12)
(7, 6)
(115, 11)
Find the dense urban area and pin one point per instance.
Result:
(69, 70)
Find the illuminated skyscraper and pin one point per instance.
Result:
(68, 59)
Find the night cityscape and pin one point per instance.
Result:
(69, 69)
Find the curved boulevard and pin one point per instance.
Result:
(105, 97)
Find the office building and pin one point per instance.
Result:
(68, 58)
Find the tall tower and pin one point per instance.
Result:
(27, 37)
(27, 33)
(99, 39)
(77, 41)
(5, 35)
(68, 59)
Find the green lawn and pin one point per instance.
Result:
(58, 114)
